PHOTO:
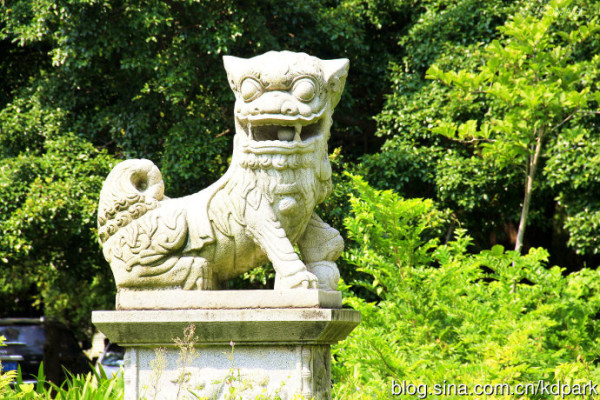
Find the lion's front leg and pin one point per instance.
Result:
(267, 232)
(320, 246)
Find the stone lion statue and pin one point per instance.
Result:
(258, 210)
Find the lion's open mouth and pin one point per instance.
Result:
(282, 138)
(284, 133)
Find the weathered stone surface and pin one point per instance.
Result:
(260, 208)
(279, 372)
(128, 299)
(279, 352)
(258, 326)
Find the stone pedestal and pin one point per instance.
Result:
(264, 350)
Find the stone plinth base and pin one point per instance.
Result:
(275, 352)
(130, 299)
(270, 371)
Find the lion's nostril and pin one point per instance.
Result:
(289, 108)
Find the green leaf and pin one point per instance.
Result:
(497, 250)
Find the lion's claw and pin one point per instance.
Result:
(327, 273)
(300, 280)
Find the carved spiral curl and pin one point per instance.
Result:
(131, 189)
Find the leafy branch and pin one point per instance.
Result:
(532, 80)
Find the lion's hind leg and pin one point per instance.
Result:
(187, 272)
(320, 246)
(200, 276)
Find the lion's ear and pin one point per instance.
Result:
(235, 67)
(335, 73)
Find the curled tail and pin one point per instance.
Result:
(131, 189)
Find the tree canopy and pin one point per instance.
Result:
(537, 91)
(484, 192)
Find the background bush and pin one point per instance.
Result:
(445, 314)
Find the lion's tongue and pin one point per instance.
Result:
(286, 133)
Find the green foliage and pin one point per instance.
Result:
(533, 85)
(572, 170)
(48, 250)
(443, 313)
(460, 144)
(88, 387)
(6, 377)
(418, 163)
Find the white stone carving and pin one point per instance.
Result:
(258, 210)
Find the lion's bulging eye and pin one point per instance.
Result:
(304, 89)
(250, 89)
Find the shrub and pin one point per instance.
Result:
(444, 314)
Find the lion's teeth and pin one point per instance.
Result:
(285, 134)
(297, 137)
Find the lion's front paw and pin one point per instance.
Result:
(299, 280)
(327, 273)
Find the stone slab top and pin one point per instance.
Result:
(169, 299)
(245, 326)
